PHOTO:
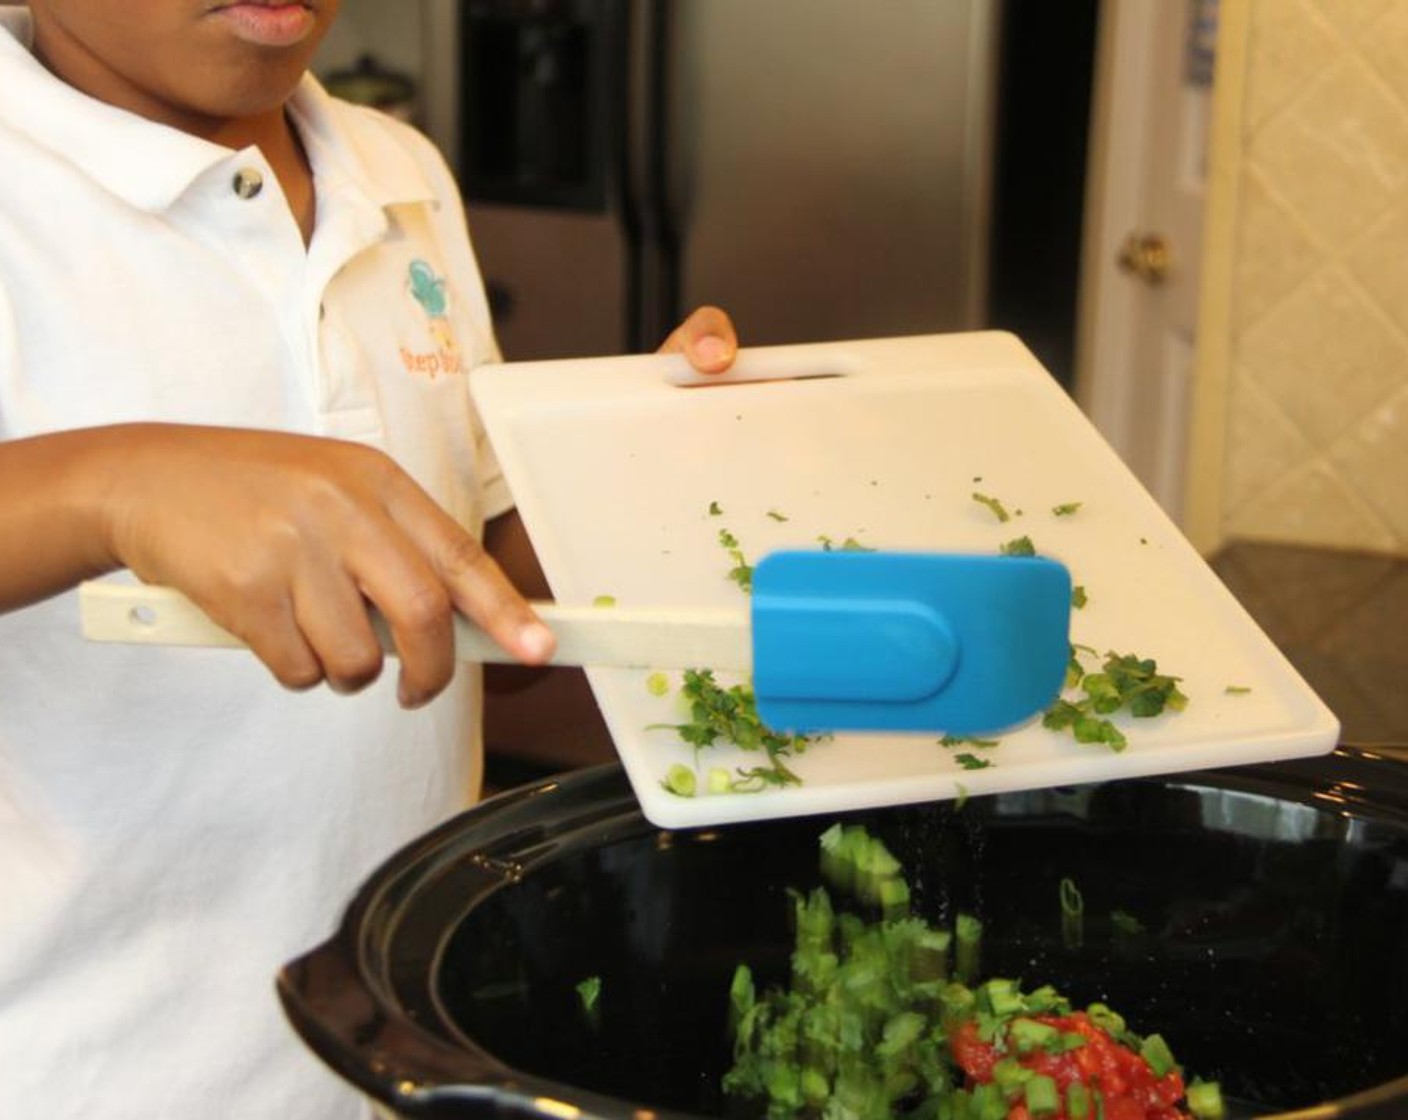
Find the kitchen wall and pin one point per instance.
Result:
(1301, 430)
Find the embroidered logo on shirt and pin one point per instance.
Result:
(428, 290)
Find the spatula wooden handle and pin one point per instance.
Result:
(618, 637)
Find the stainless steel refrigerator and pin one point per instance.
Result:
(820, 168)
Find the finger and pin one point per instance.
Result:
(475, 584)
(483, 592)
(331, 614)
(405, 587)
(269, 628)
(707, 339)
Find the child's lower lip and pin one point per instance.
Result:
(279, 26)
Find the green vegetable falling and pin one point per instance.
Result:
(1072, 915)
(863, 1028)
(589, 996)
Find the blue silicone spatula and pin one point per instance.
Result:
(834, 641)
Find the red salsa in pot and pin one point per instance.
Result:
(1093, 1075)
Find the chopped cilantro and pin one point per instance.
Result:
(966, 740)
(850, 544)
(1078, 597)
(742, 572)
(1065, 509)
(777, 516)
(1237, 689)
(1125, 683)
(730, 715)
(1019, 546)
(657, 684)
(715, 510)
(972, 761)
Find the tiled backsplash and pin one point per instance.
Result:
(1316, 448)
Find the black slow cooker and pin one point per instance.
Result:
(1269, 940)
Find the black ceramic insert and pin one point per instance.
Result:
(1272, 949)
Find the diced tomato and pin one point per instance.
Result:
(1122, 1077)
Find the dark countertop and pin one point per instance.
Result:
(1341, 618)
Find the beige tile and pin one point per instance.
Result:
(1338, 155)
(1289, 42)
(1384, 42)
(1274, 251)
(1325, 355)
(1379, 261)
(1312, 506)
(1352, 15)
(1372, 457)
(1263, 446)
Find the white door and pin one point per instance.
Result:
(1139, 283)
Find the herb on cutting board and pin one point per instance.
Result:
(742, 572)
(998, 509)
(1126, 682)
(730, 715)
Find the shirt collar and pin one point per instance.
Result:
(150, 165)
(355, 143)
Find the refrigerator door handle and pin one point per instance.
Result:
(647, 223)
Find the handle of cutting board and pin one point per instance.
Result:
(614, 636)
(794, 364)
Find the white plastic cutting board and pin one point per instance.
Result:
(618, 470)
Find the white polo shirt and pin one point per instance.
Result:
(174, 826)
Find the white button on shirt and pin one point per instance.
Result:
(173, 825)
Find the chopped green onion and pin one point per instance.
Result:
(968, 931)
(680, 780)
(1072, 915)
(589, 992)
(1205, 1101)
(1001, 996)
(1155, 1051)
(1041, 1097)
(1027, 1035)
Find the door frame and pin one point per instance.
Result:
(1115, 191)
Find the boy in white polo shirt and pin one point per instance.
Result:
(236, 319)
